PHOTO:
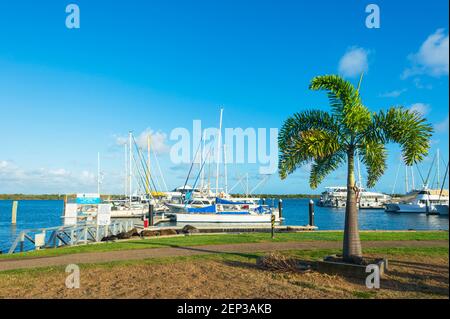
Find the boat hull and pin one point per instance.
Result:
(408, 208)
(442, 209)
(223, 218)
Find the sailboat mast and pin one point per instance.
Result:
(413, 184)
(130, 182)
(437, 158)
(406, 180)
(98, 173)
(219, 142)
(126, 169)
(202, 154)
(225, 167)
(148, 164)
(246, 190)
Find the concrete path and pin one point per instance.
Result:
(174, 251)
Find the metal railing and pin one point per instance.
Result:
(54, 237)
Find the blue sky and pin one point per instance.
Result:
(157, 65)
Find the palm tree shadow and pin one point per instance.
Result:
(199, 250)
(413, 280)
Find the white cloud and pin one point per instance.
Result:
(418, 83)
(158, 141)
(395, 93)
(42, 180)
(354, 62)
(421, 108)
(432, 57)
(442, 127)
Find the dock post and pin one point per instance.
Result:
(22, 241)
(150, 213)
(280, 208)
(311, 212)
(14, 212)
(273, 225)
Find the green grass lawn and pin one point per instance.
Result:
(308, 254)
(215, 239)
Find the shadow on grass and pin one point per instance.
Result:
(405, 276)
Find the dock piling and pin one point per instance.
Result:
(280, 208)
(150, 213)
(311, 212)
(14, 212)
(273, 226)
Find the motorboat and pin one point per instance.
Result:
(337, 197)
(425, 201)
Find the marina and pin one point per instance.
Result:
(33, 214)
(233, 152)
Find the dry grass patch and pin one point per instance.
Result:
(230, 276)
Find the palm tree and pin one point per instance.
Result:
(328, 140)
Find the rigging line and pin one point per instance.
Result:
(443, 182)
(195, 183)
(261, 182)
(237, 183)
(193, 161)
(434, 179)
(144, 167)
(142, 181)
(160, 171)
(396, 177)
(429, 171)
(420, 174)
(150, 181)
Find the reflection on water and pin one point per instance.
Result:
(38, 214)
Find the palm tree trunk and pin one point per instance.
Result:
(352, 243)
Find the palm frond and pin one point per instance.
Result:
(373, 155)
(305, 137)
(324, 166)
(345, 102)
(407, 128)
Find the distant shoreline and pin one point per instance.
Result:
(61, 196)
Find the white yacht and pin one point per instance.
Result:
(227, 211)
(425, 201)
(337, 197)
(441, 209)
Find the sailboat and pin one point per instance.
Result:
(198, 206)
(426, 200)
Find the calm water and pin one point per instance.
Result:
(38, 214)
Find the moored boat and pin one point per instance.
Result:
(425, 202)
